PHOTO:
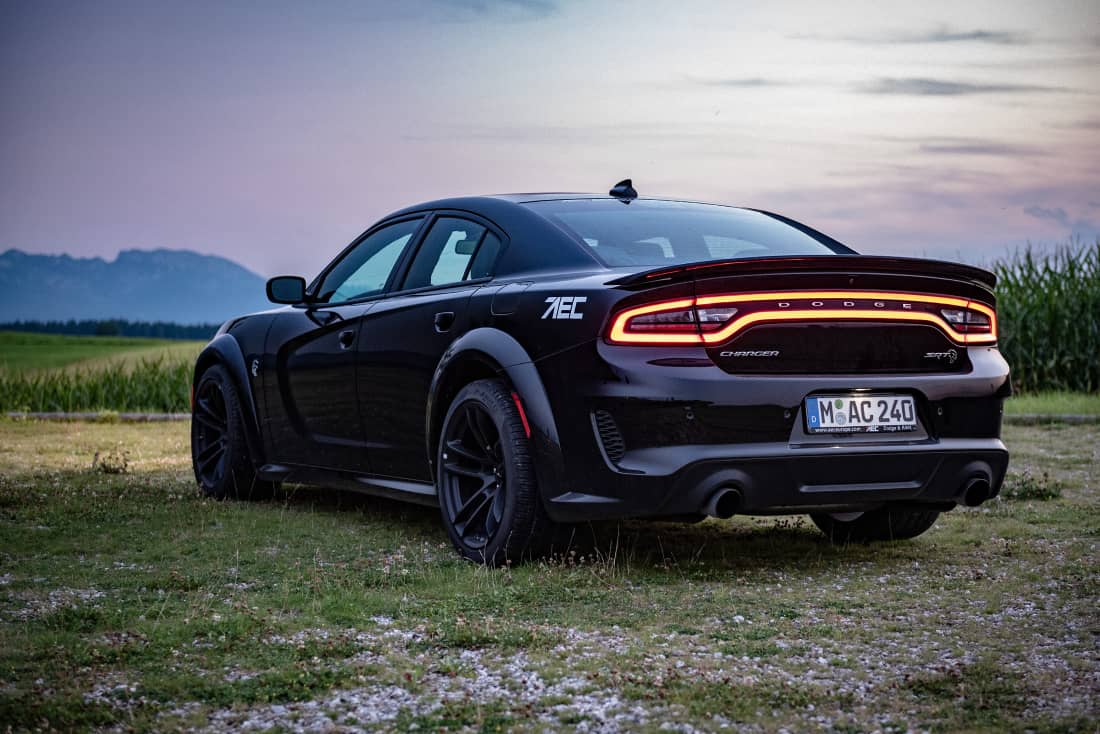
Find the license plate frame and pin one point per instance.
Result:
(834, 413)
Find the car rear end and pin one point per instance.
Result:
(819, 383)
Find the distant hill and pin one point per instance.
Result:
(139, 285)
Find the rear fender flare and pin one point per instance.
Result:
(225, 350)
(494, 350)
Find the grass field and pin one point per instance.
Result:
(1054, 403)
(28, 352)
(53, 373)
(127, 601)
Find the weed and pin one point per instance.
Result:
(1027, 486)
(112, 461)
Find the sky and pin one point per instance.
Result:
(274, 132)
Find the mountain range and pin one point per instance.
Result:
(139, 285)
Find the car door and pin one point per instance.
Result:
(310, 383)
(404, 336)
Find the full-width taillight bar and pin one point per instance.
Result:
(714, 319)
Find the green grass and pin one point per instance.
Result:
(128, 601)
(1054, 403)
(27, 352)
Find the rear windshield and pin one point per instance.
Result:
(656, 233)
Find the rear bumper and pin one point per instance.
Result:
(779, 479)
(776, 479)
(684, 433)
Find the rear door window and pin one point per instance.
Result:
(453, 251)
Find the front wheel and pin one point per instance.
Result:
(884, 524)
(219, 450)
(485, 478)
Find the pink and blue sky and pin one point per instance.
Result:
(274, 132)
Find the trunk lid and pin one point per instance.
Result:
(866, 265)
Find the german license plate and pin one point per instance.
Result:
(860, 413)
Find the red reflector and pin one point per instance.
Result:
(522, 414)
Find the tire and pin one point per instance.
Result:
(884, 524)
(489, 498)
(219, 450)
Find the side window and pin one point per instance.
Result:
(454, 250)
(364, 271)
(486, 257)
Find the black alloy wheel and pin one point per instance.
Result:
(485, 478)
(210, 434)
(219, 449)
(474, 475)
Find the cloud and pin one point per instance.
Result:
(1058, 215)
(943, 35)
(1007, 150)
(925, 87)
(1081, 227)
(939, 34)
(502, 9)
(1030, 62)
(744, 83)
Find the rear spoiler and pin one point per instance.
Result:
(812, 264)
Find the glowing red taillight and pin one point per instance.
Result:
(669, 322)
(967, 321)
(714, 319)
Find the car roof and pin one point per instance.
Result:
(533, 196)
(524, 198)
(494, 201)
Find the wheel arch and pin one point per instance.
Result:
(490, 353)
(225, 351)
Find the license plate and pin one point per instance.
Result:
(860, 413)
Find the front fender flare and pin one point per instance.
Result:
(225, 350)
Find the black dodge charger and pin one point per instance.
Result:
(530, 361)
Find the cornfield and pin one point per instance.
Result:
(151, 385)
(1048, 310)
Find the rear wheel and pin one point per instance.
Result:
(884, 524)
(485, 478)
(219, 450)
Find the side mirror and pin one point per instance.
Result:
(286, 289)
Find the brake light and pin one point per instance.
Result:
(967, 321)
(717, 318)
(668, 322)
(682, 319)
(712, 318)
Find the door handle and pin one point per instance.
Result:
(347, 338)
(444, 320)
